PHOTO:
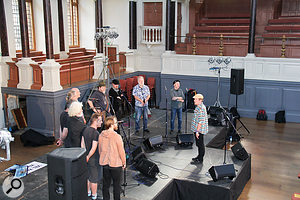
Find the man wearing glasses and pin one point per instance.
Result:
(141, 94)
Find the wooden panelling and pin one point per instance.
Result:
(37, 77)
(290, 8)
(13, 75)
(221, 8)
(153, 14)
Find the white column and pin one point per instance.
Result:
(51, 76)
(25, 73)
(4, 70)
(130, 61)
(98, 66)
(10, 28)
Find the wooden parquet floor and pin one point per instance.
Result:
(275, 150)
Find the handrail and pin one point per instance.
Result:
(234, 37)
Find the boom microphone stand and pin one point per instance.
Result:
(186, 110)
(129, 117)
(225, 141)
(128, 145)
(166, 133)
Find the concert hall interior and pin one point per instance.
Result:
(228, 70)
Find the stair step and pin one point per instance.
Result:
(222, 28)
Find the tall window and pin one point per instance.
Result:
(30, 22)
(73, 23)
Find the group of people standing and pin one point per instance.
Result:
(104, 146)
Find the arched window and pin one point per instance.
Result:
(30, 22)
(73, 23)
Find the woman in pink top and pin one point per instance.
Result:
(112, 157)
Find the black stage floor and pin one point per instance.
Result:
(178, 178)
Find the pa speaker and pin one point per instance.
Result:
(138, 154)
(147, 168)
(67, 174)
(237, 81)
(221, 171)
(185, 139)
(239, 151)
(153, 142)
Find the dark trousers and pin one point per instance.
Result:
(113, 173)
(200, 145)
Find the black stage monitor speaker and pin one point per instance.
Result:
(239, 151)
(67, 174)
(153, 142)
(185, 139)
(221, 171)
(138, 154)
(147, 168)
(237, 81)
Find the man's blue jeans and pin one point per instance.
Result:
(139, 111)
(173, 115)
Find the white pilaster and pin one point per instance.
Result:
(25, 73)
(4, 70)
(130, 61)
(98, 66)
(51, 75)
(63, 55)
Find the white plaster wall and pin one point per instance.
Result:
(87, 23)
(116, 14)
(278, 69)
(38, 14)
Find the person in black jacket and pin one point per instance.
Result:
(99, 101)
(71, 135)
(116, 96)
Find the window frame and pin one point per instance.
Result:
(32, 27)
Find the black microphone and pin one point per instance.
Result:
(94, 99)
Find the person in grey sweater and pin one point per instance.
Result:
(177, 99)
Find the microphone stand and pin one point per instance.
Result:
(129, 118)
(225, 141)
(128, 145)
(186, 110)
(166, 133)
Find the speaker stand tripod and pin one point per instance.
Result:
(238, 118)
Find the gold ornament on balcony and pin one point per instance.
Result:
(194, 44)
(221, 48)
(283, 47)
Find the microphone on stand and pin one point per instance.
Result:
(94, 99)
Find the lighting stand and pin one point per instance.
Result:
(218, 64)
